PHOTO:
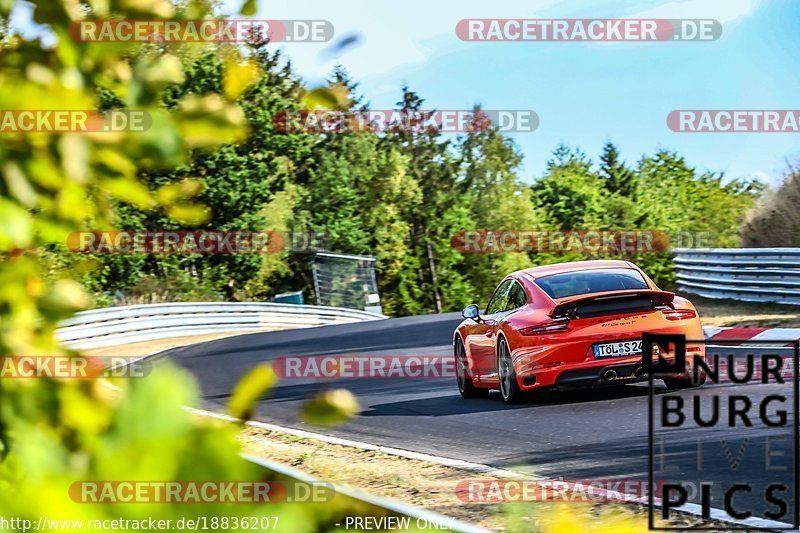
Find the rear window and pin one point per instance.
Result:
(591, 281)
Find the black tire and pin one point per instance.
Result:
(684, 382)
(465, 386)
(509, 388)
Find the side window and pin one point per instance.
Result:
(500, 298)
(516, 297)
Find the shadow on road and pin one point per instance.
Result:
(453, 404)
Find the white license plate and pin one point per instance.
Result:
(618, 349)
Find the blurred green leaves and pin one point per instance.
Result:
(206, 121)
(249, 8)
(65, 298)
(238, 76)
(129, 190)
(331, 407)
(15, 226)
(334, 96)
(249, 389)
(56, 432)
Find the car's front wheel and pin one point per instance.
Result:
(509, 388)
(465, 386)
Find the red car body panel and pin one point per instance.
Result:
(561, 358)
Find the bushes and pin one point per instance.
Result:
(661, 193)
(775, 221)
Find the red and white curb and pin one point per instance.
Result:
(753, 334)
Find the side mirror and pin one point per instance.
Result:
(471, 311)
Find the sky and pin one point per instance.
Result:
(584, 93)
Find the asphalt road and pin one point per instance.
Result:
(589, 434)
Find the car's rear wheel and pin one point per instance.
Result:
(509, 388)
(465, 386)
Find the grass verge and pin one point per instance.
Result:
(434, 487)
(746, 314)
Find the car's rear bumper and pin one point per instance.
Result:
(585, 373)
(588, 374)
(569, 359)
(601, 375)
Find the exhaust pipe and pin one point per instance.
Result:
(610, 375)
(638, 373)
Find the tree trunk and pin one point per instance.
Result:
(432, 267)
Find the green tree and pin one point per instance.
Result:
(335, 179)
(443, 209)
(571, 194)
(618, 177)
(663, 193)
(235, 183)
(675, 197)
(499, 200)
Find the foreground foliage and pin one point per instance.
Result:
(56, 432)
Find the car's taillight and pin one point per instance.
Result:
(551, 326)
(679, 314)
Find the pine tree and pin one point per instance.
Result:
(618, 178)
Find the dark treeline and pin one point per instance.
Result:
(397, 196)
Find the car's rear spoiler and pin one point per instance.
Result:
(611, 302)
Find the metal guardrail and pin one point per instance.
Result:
(119, 325)
(748, 274)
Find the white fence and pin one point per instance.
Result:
(748, 274)
(120, 325)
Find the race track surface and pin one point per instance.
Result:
(575, 435)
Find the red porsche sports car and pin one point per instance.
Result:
(570, 324)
